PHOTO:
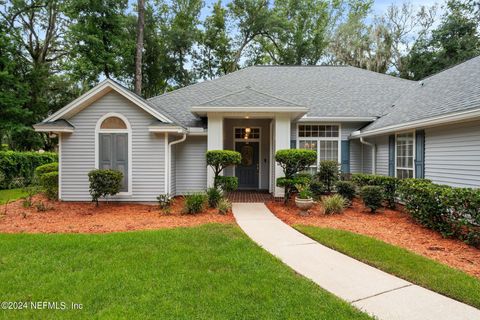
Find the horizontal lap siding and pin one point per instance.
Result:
(382, 155)
(355, 156)
(191, 165)
(78, 151)
(452, 154)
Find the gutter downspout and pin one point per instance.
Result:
(374, 154)
(169, 160)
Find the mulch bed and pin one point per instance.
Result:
(392, 226)
(84, 217)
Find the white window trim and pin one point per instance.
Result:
(259, 140)
(318, 139)
(413, 132)
(98, 130)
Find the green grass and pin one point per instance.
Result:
(208, 272)
(11, 195)
(401, 262)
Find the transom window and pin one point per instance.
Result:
(247, 133)
(324, 139)
(405, 155)
(113, 123)
(319, 131)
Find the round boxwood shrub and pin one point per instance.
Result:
(372, 197)
(46, 168)
(104, 183)
(328, 173)
(346, 189)
(49, 183)
(317, 188)
(194, 203)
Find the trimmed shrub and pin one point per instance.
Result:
(454, 212)
(328, 173)
(227, 184)
(194, 203)
(221, 159)
(49, 183)
(317, 188)
(346, 189)
(104, 183)
(372, 197)
(164, 201)
(214, 196)
(334, 204)
(292, 162)
(20, 166)
(389, 185)
(224, 206)
(46, 168)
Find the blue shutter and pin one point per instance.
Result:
(391, 155)
(420, 154)
(345, 156)
(293, 144)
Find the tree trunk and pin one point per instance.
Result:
(139, 47)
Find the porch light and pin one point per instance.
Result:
(245, 137)
(247, 130)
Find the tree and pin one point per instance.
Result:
(455, 40)
(221, 159)
(98, 38)
(139, 46)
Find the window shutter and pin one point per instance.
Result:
(293, 144)
(420, 154)
(391, 155)
(345, 165)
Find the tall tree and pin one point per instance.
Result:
(139, 46)
(455, 40)
(98, 37)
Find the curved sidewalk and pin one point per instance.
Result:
(369, 289)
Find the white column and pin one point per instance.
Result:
(215, 139)
(282, 141)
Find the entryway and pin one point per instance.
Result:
(248, 170)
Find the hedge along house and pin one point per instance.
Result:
(368, 122)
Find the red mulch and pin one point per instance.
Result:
(392, 226)
(84, 217)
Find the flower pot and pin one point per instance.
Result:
(304, 204)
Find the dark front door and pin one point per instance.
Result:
(247, 171)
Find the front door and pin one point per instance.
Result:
(248, 171)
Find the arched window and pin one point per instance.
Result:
(113, 146)
(113, 123)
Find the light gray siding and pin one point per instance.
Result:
(191, 165)
(452, 154)
(355, 156)
(367, 159)
(382, 155)
(228, 143)
(78, 151)
(173, 167)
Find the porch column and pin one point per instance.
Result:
(214, 139)
(282, 141)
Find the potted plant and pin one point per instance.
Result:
(304, 199)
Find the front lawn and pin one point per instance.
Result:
(11, 195)
(401, 262)
(208, 272)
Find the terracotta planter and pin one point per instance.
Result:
(304, 205)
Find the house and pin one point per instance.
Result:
(368, 122)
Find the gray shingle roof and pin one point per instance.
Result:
(328, 91)
(248, 98)
(57, 124)
(455, 89)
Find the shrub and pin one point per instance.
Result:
(454, 212)
(164, 201)
(20, 166)
(49, 183)
(317, 188)
(224, 206)
(221, 159)
(227, 184)
(389, 185)
(334, 204)
(214, 196)
(194, 203)
(328, 173)
(372, 196)
(303, 191)
(46, 168)
(104, 183)
(346, 189)
(292, 162)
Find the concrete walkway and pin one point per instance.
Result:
(369, 289)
